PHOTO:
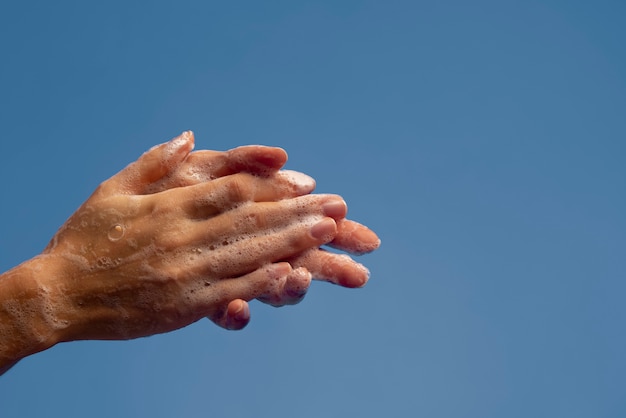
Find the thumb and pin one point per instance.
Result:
(153, 165)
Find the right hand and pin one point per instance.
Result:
(130, 264)
(351, 237)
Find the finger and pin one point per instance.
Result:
(339, 269)
(252, 220)
(220, 299)
(286, 291)
(256, 159)
(240, 241)
(202, 166)
(354, 238)
(236, 316)
(211, 198)
(293, 291)
(152, 166)
(247, 253)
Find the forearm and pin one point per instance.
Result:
(26, 319)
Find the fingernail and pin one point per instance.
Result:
(302, 183)
(325, 230)
(297, 293)
(336, 208)
(302, 277)
(242, 313)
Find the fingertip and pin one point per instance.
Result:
(273, 157)
(257, 159)
(339, 269)
(355, 238)
(191, 137)
(237, 315)
(301, 183)
(178, 148)
(356, 277)
(240, 310)
(289, 289)
(336, 208)
(297, 284)
(324, 231)
(367, 240)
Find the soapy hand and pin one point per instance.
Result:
(352, 237)
(139, 264)
(174, 237)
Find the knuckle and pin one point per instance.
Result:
(170, 238)
(239, 188)
(256, 220)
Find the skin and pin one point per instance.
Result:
(175, 237)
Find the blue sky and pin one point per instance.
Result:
(484, 141)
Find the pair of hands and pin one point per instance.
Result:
(181, 235)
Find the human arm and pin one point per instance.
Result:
(134, 260)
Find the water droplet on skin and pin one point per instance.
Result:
(116, 232)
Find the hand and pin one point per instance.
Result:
(130, 264)
(352, 237)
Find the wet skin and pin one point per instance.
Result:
(174, 237)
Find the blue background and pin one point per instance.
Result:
(484, 141)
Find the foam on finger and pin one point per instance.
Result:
(355, 238)
(339, 269)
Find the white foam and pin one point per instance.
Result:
(300, 182)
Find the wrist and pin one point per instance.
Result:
(28, 322)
